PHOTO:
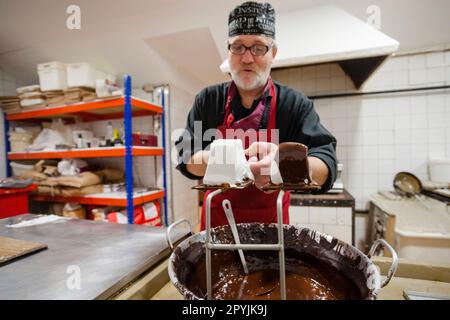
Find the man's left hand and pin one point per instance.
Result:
(261, 156)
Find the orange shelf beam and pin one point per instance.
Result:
(87, 153)
(84, 108)
(100, 201)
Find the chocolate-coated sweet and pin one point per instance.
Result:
(293, 163)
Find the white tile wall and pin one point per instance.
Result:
(379, 135)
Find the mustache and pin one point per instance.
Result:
(248, 69)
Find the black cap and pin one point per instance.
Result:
(252, 18)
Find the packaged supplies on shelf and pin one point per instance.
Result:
(19, 140)
(54, 98)
(48, 191)
(38, 172)
(47, 140)
(71, 167)
(146, 140)
(74, 210)
(78, 192)
(33, 103)
(81, 74)
(109, 175)
(32, 95)
(31, 174)
(117, 217)
(105, 88)
(82, 137)
(78, 94)
(114, 187)
(83, 179)
(32, 88)
(51, 171)
(43, 165)
(9, 103)
(56, 209)
(52, 76)
(147, 214)
(98, 214)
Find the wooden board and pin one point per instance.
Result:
(11, 249)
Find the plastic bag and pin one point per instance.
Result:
(47, 140)
(64, 130)
(71, 167)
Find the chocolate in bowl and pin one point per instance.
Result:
(318, 266)
(306, 278)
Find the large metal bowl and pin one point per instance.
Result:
(298, 242)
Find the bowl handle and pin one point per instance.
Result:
(169, 230)
(394, 263)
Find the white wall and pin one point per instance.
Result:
(381, 135)
(185, 200)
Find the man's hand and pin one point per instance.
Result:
(198, 163)
(261, 155)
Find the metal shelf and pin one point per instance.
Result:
(89, 111)
(125, 107)
(86, 153)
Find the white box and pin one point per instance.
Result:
(418, 247)
(81, 75)
(439, 170)
(52, 76)
(227, 163)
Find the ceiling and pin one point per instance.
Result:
(175, 41)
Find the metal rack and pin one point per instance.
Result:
(126, 107)
(278, 246)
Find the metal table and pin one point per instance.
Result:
(109, 257)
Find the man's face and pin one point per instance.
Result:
(247, 71)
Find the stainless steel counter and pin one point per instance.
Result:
(108, 257)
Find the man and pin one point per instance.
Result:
(252, 101)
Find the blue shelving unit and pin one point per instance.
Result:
(128, 128)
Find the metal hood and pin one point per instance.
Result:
(329, 34)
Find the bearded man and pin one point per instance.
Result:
(252, 101)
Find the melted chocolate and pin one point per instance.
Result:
(293, 163)
(306, 279)
(317, 266)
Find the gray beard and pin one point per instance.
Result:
(259, 81)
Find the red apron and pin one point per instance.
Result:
(249, 204)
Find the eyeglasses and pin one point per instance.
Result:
(255, 50)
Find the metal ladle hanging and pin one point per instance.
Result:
(408, 184)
